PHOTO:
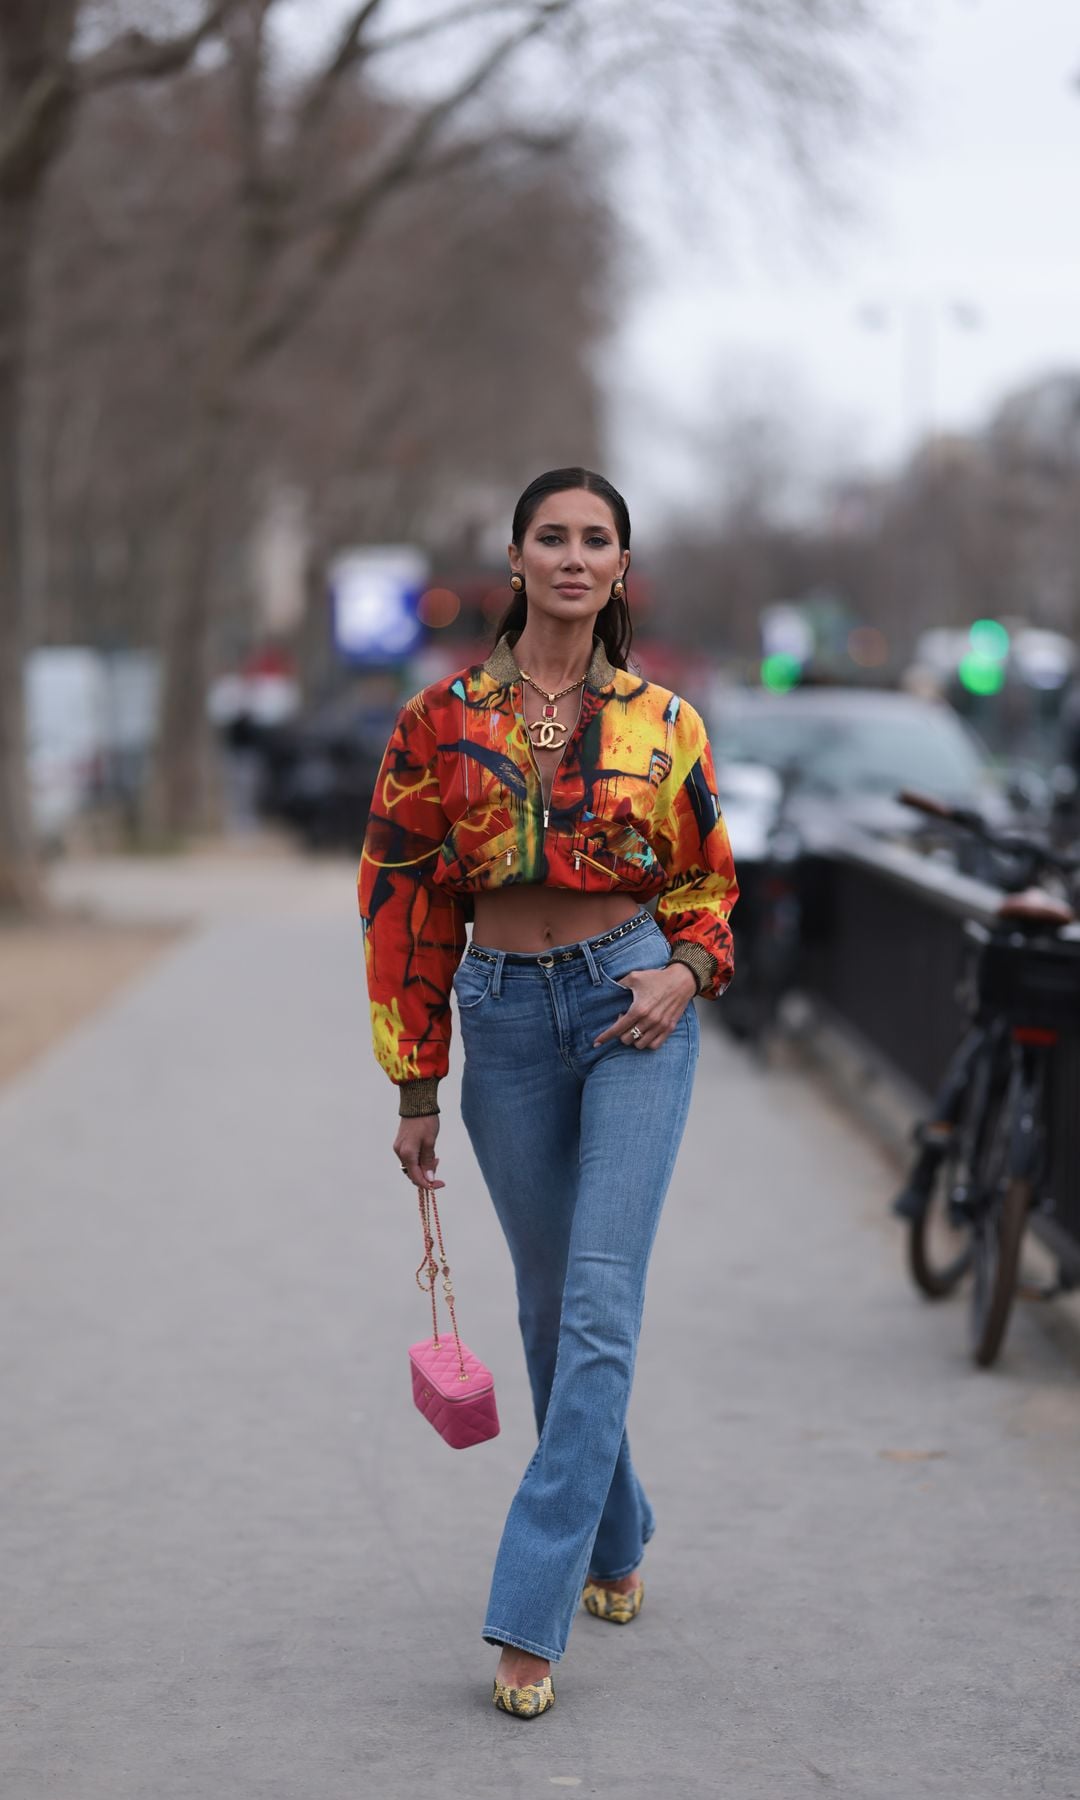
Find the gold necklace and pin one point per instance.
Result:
(545, 799)
(550, 728)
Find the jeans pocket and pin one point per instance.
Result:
(472, 982)
(650, 950)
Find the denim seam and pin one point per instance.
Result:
(492, 1635)
(617, 1574)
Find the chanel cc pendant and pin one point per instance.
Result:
(549, 733)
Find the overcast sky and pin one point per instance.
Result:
(975, 204)
(961, 280)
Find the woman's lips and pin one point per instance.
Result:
(571, 587)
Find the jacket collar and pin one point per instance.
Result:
(503, 668)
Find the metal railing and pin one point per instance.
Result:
(884, 954)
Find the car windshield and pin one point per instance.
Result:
(864, 754)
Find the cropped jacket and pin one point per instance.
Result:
(458, 810)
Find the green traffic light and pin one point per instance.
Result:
(780, 673)
(981, 674)
(989, 640)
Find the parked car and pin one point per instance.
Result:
(319, 771)
(841, 755)
(795, 771)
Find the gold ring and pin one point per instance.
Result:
(635, 1031)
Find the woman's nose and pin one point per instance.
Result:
(573, 558)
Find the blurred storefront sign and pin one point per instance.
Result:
(375, 592)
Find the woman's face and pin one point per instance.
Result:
(570, 555)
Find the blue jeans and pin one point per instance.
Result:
(577, 1146)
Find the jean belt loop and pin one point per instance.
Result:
(496, 979)
(590, 958)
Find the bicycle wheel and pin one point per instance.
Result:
(997, 1232)
(940, 1245)
(939, 1251)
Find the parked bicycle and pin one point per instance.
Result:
(982, 1163)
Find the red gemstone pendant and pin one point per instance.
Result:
(549, 712)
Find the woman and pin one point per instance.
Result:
(548, 793)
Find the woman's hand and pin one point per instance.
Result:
(661, 996)
(414, 1148)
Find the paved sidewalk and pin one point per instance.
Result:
(239, 1566)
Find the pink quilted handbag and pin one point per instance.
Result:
(451, 1386)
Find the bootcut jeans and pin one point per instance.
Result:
(576, 1144)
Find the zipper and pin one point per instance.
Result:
(580, 857)
(539, 777)
(562, 753)
(506, 856)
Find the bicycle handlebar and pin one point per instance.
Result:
(937, 809)
(965, 819)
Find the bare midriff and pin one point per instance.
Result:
(532, 918)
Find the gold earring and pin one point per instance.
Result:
(618, 590)
(517, 582)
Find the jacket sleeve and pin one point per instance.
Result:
(414, 933)
(701, 889)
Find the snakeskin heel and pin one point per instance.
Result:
(525, 1702)
(617, 1609)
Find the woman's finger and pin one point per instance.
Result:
(649, 1017)
(635, 1014)
(646, 1032)
(419, 1162)
(650, 1038)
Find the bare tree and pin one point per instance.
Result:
(440, 339)
(302, 213)
(301, 224)
(41, 87)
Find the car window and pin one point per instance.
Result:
(878, 756)
(873, 753)
(764, 736)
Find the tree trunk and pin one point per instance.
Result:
(21, 887)
(178, 801)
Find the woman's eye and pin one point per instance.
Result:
(597, 543)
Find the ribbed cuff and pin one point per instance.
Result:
(701, 963)
(416, 1098)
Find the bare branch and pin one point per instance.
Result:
(29, 139)
(345, 57)
(135, 57)
(352, 51)
(463, 154)
(260, 211)
(407, 163)
(426, 28)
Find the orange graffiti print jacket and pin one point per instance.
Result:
(458, 809)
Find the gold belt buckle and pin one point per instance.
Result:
(546, 961)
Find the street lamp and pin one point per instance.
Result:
(920, 320)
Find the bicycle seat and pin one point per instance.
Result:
(1034, 906)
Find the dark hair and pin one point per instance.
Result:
(613, 626)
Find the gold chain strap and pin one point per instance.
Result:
(431, 1269)
(551, 698)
